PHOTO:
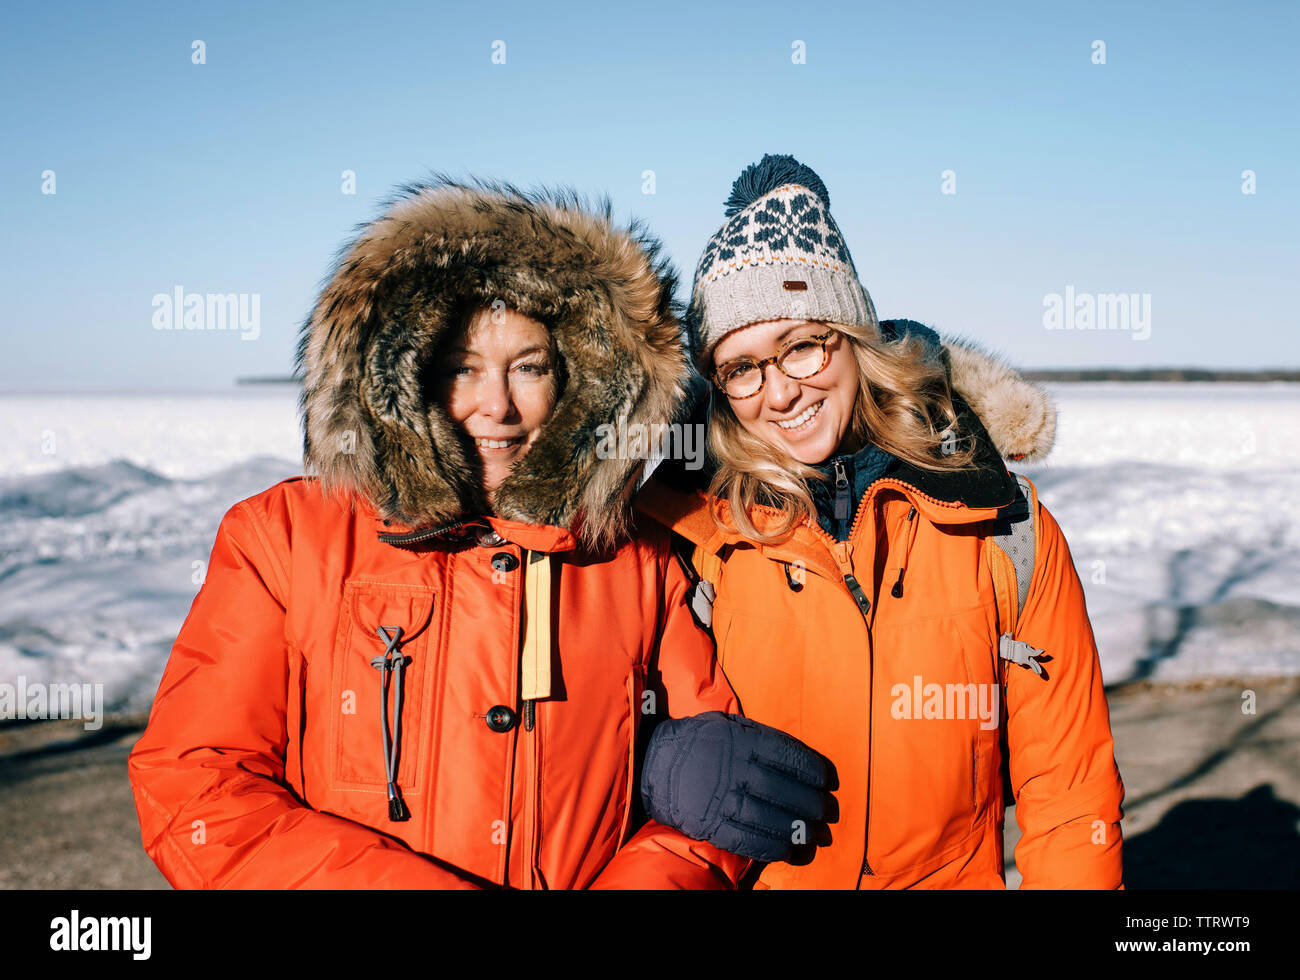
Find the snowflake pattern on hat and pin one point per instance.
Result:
(789, 224)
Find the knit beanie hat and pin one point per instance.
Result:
(779, 255)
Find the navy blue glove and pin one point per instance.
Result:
(744, 787)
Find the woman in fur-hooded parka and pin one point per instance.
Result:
(386, 682)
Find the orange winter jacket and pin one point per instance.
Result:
(881, 652)
(535, 640)
(263, 762)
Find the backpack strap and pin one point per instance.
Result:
(710, 565)
(1013, 533)
(1013, 570)
(1011, 562)
(703, 569)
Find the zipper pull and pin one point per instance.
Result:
(860, 597)
(841, 491)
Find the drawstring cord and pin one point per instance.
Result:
(390, 663)
(897, 590)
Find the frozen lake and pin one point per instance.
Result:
(1179, 502)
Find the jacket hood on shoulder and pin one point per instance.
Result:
(603, 291)
(1018, 416)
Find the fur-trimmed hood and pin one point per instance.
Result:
(603, 291)
(1020, 416)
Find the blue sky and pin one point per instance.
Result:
(225, 177)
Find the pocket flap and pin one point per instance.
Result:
(375, 604)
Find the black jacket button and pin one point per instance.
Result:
(504, 561)
(500, 718)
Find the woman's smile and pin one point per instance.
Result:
(803, 423)
(498, 447)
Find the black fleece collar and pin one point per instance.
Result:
(861, 469)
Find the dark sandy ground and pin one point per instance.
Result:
(1213, 794)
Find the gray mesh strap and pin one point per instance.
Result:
(1014, 534)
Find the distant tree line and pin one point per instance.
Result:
(1159, 374)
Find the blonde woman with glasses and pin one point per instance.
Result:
(846, 535)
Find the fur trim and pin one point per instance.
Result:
(603, 290)
(1019, 415)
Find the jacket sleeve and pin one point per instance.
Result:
(208, 773)
(687, 681)
(1063, 772)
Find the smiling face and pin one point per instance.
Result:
(808, 419)
(497, 380)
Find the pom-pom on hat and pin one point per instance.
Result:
(779, 255)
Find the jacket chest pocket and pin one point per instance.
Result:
(382, 708)
(935, 726)
(765, 656)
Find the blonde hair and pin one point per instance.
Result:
(904, 405)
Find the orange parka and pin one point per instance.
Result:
(881, 652)
(536, 642)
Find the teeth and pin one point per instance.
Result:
(796, 422)
(495, 443)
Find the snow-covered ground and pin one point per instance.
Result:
(1181, 505)
(108, 510)
(1179, 502)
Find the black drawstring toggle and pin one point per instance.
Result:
(396, 805)
(790, 580)
(897, 590)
